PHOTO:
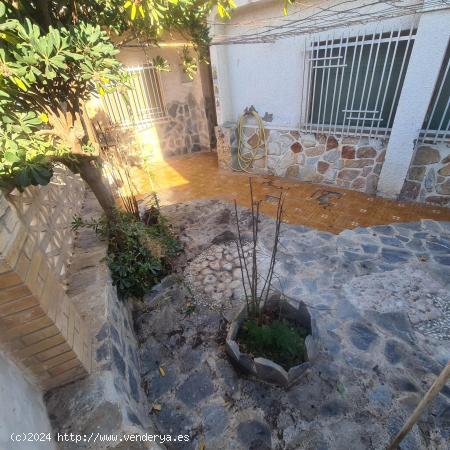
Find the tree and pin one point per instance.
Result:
(149, 21)
(53, 56)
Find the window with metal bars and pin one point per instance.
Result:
(141, 103)
(353, 83)
(436, 126)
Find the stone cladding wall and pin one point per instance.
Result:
(428, 178)
(349, 162)
(186, 128)
(111, 400)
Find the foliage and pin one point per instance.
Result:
(146, 20)
(157, 17)
(161, 64)
(22, 152)
(45, 76)
(139, 255)
(280, 341)
(55, 54)
(151, 20)
(190, 66)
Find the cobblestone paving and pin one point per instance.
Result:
(380, 297)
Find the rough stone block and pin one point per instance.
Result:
(410, 190)
(416, 173)
(296, 373)
(348, 174)
(443, 188)
(270, 371)
(359, 184)
(348, 152)
(322, 166)
(315, 151)
(296, 147)
(426, 155)
(358, 163)
(444, 171)
(366, 152)
(331, 143)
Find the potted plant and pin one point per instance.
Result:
(270, 338)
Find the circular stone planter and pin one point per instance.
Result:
(266, 369)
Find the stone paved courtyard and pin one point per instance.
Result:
(381, 300)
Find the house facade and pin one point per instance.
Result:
(352, 94)
(164, 113)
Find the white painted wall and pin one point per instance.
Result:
(268, 75)
(22, 409)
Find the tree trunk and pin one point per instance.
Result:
(93, 177)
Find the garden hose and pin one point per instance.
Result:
(247, 153)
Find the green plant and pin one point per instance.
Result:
(256, 286)
(54, 55)
(189, 65)
(148, 21)
(161, 64)
(46, 75)
(279, 340)
(139, 255)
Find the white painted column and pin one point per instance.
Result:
(219, 67)
(426, 59)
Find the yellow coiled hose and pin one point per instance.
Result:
(247, 154)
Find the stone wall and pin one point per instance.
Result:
(224, 137)
(428, 178)
(40, 329)
(111, 400)
(186, 128)
(348, 162)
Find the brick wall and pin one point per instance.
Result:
(40, 328)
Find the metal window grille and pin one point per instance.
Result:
(141, 103)
(353, 83)
(436, 126)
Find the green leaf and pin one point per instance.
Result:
(11, 157)
(20, 83)
(41, 175)
(22, 178)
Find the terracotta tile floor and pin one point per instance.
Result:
(197, 176)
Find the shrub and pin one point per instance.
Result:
(139, 255)
(278, 340)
